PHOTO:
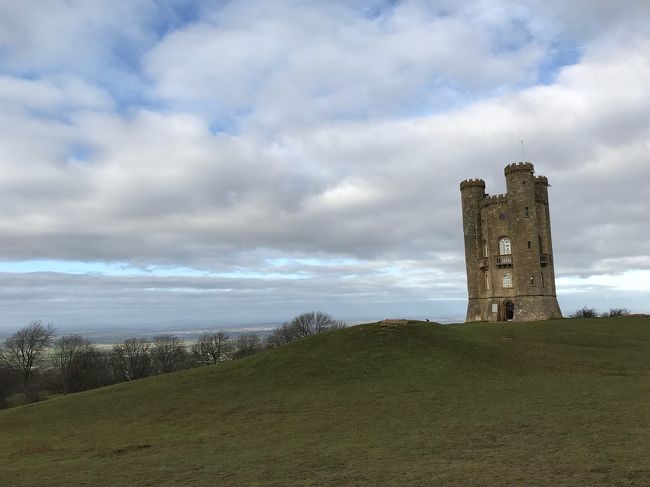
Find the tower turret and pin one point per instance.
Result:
(472, 194)
(520, 185)
(545, 242)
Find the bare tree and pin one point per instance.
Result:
(212, 348)
(281, 336)
(131, 359)
(325, 321)
(303, 325)
(168, 353)
(246, 345)
(24, 350)
(80, 365)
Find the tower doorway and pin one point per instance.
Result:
(509, 308)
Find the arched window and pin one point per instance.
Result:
(532, 280)
(487, 282)
(507, 279)
(504, 246)
(526, 211)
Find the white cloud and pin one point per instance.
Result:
(320, 131)
(56, 35)
(295, 64)
(55, 94)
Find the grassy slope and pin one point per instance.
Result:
(560, 402)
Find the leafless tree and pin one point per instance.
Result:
(81, 366)
(212, 348)
(24, 350)
(325, 321)
(303, 325)
(246, 345)
(281, 336)
(131, 359)
(168, 353)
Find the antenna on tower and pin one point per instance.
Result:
(523, 152)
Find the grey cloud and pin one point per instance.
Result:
(73, 299)
(343, 144)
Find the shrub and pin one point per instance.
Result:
(616, 313)
(9, 383)
(584, 313)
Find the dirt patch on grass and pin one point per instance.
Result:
(393, 323)
(125, 449)
(34, 449)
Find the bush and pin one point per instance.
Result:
(584, 313)
(9, 383)
(616, 313)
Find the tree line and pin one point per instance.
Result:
(33, 361)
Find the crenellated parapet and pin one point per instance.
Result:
(519, 167)
(543, 180)
(495, 200)
(472, 183)
(541, 190)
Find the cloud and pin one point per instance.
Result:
(264, 65)
(227, 138)
(369, 292)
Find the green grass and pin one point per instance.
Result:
(550, 403)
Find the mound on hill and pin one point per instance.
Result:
(548, 403)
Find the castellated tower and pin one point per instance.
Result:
(508, 250)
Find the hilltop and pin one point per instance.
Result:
(561, 402)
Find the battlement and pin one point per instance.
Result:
(472, 183)
(495, 200)
(518, 167)
(541, 180)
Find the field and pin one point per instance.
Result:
(562, 402)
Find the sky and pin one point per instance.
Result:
(236, 162)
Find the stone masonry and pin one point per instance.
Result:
(508, 249)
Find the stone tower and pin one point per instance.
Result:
(508, 249)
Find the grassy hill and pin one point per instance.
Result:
(549, 403)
